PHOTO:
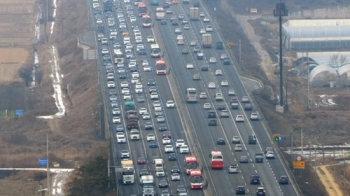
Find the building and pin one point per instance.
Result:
(317, 34)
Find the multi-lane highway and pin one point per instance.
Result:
(186, 121)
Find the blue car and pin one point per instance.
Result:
(153, 144)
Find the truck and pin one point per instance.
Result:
(147, 183)
(118, 56)
(128, 172)
(194, 13)
(190, 163)
(129, 105)
(196, 179)
(160, 13)
(206, 40)
(132, 124)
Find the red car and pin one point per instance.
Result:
(166, 134)
(234, 100)
(141, 160)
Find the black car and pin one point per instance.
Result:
(163, 183)
(174, 23)
(175, 169)
(220, 141)
(172, 157)
(211, 114)
(221, 107)
(184, 51)
(234, 106)
(255, 179)
(251, 139)
(205, 68)
(283, 180)
(227, 61)
(259, 157)
(122, 76)
(260, 191)
(163, 22)
(240, 190)
(148, 126)
(151, 82)
(162, 127)
(243, 159)
(181, 188)
(144, 172)
(248, 107)
(141, 51)
(212, 122)
(133, 69)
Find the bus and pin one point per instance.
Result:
(142, 8)
(155, 2)
(196, 179)
(190, 163)
(160, 13)
(216, 159)
(146, 21)
(155, 51)
(191, 95)
(160, 67)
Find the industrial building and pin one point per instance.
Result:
(317, 34)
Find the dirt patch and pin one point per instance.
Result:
(328, 181)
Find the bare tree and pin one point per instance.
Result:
(337, 61)
(25, 74)
(39, 76)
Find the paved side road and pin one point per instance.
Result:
(58, 182)
(328, 181)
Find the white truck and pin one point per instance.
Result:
(206, 40)
(194, 13)
(118, 56)
(128, 172)
(134, 134)
(159, 167)
(160, 13)
(147, 183)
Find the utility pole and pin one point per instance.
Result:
(280, 11)
(47, 165)
(240, 52)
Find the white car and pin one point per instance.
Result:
(170, 104)
(132, 64)
(110, 84)
(202, 31)
(150, 39)
(212, 60)
(166, 140)
(146, 116)
(134, 134)
(231, 92)
(270, 155)
(104, 51)
(211, 85)
(224, 83)
(168, 149)
(184, 149)
(254, 116)
(189, 66)
(151, 137)
(142, 111)
(127, 96)
(135, 75)
(116, 120)
(147, 69)
(145, 63)
(121, 137)
(125, 91)
(186, 27)
(201, 14)
(218, 72)
(177, 30)
(206, 106)
(124, 84)
(206, 19)
(175, 177)
(239, 118)
(209, 28)
(134, 80)
(138, 85)
(158, 108)
(193, 43)
(125, 154)
(179, 143)
(238, 147)
(154, 95)
(203, 95)
(95, 5)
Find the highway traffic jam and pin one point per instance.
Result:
(181, 121)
